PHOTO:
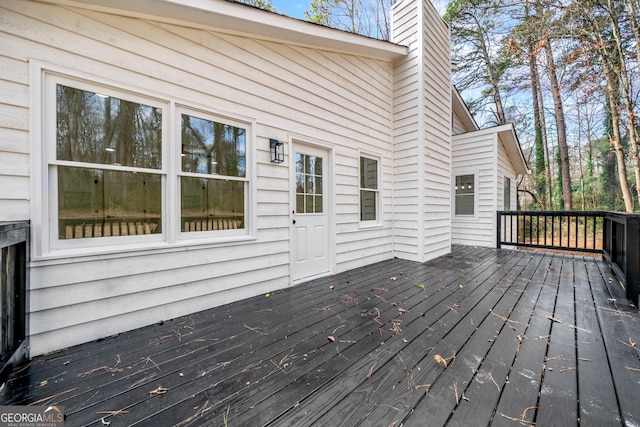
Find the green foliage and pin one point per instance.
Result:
(319, 12)
(261, 4)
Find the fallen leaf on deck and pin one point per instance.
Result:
(159, 390)
(440, 359)
(331, 338)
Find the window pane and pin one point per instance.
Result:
(317, 204)
(464, 204)
(368, 205)
(94, 128)
(465, 184)
(465, 200)
(316, 163)
(213, 148)
(97, 203)
(507, 194)
(308, 184)
(300, 163)
(211, 204)
(300, 203)
(368, 173)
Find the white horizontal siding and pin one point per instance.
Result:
(476, 153)
(340, 99)
(422, 133)
(437, 127)
(505, 170)
(457, 124)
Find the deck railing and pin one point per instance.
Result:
(615, 235)
(14, 252)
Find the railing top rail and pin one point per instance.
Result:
(556, 213)
(12, 225)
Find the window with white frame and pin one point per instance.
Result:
(465, 195)
(369, 189)
(109, 170)
(507, 194)
(213, 174)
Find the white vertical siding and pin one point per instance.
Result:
(340, 99)
(422, 133)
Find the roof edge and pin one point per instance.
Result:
(240, 19)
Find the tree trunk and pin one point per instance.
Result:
(559, 114)
(493, 81)
(615, 137)
(625, 86)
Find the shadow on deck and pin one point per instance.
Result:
(479, 337)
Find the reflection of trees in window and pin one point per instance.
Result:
(212, 148)
(92, 130)
(368, 189)
(308, 184)
(219, 150)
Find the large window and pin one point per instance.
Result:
(213, 174)
(465, 194)
(111, 174)
(369, 189)
(108, 161)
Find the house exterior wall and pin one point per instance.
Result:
(285, 92)
(475, 153)
(505, 170)
(458, 126)
(483, 154)
(422, 133)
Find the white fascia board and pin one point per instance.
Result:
(461, 108)
(240, 19)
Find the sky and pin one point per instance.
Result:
(292, 8)
(296, 8)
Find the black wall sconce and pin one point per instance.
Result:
(277, 151)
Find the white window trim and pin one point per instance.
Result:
(378, 221)
(476, 189)
(46, 245)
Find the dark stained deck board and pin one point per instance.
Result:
(598, 404)
(395, 385)
(339, 381)
(537, 338)
(616, 319)
(440, 403)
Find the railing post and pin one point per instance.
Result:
(498, 228)
(632, 251)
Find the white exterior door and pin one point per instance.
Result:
(310, 225)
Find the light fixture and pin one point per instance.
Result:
(277, 151)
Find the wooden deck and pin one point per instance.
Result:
(479, 337)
